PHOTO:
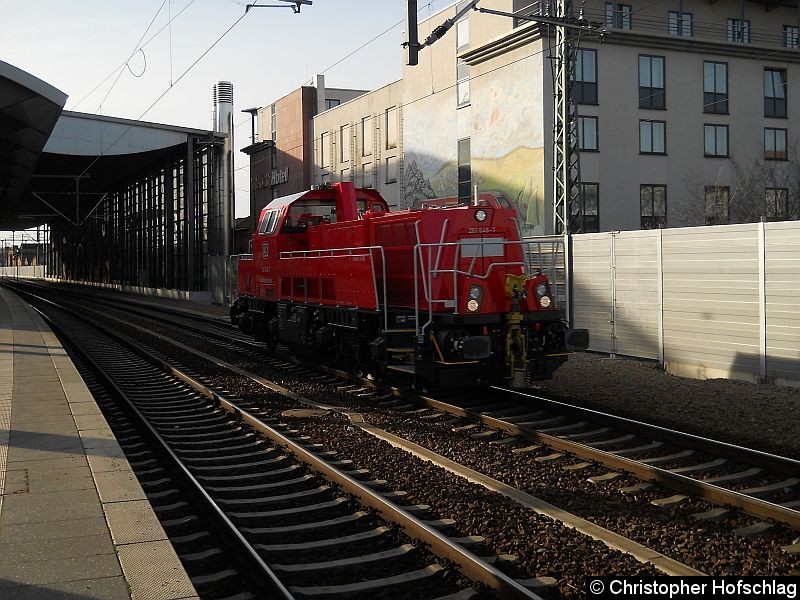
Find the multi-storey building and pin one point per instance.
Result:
(685, 115)
(281, 155)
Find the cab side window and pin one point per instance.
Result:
(309, 213)
(269, 222)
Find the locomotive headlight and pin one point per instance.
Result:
(542, 295)
(475, 296)
(480, 215)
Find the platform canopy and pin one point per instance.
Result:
(29, 109)
(88, 156)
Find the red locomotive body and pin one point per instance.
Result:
(441, 294)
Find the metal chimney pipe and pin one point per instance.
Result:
(223, 122)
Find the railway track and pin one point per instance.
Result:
(202, 548)
(433, 410)
(285, 504)
(716, 471)
(763, 485)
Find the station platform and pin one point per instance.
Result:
(74, 521)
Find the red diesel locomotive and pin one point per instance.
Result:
(443, 295)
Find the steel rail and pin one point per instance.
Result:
(758, 458)
(681, 483)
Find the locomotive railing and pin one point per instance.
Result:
(533, 260)
(350, 252)
(548, 258)
(232, 275)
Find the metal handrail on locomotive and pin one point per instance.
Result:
(443, 295)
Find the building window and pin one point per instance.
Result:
(716, 140)
(462, 33)
(619, 17)
(738, 31)
(651, 82)
(325, 149)
(462, 28)
(365, 177)
(391, 128)
(653, 203)
(366, 136)
(774, 92)
(715, 88)
(680, 23)
(331, 102)
(462, 82)
(462, 68)
(585, 85)
(391, 169)
(774, 144)
(718, 205)
(652, 137)
(777, 204)
(464, 172)
(273, 120)
(344, 143)
(790, 36)
(585, 212)
(587, 133)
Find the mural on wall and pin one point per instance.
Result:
(429, 131)
(506, 139)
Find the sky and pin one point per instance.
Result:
(116, 57)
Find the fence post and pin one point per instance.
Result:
(613, 294)
(762, 301)
(660, 279)
(568, 276)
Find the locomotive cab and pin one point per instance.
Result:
(443, 294)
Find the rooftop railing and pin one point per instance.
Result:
(683, 26)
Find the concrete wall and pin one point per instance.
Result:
(25, 272)
(198, 297)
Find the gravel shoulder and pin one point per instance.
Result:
(761, 416)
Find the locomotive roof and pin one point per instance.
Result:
(285, 200)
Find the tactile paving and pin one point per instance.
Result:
(6, 393)
(132, 522)
(154, 572)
